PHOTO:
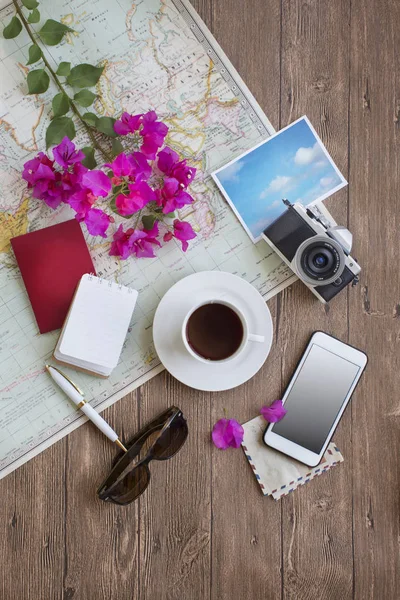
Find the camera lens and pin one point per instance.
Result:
(319, 260)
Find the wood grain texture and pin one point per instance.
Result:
(202, 530)
(374, 310)
(315, 60)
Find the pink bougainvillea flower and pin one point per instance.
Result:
(183, 231)
(172, 196)
(97, 182)
(153, 133)
(183, 173)
(65, 154)
(49, 190)
(143, 245)
(97, 222)
(127, 124)
(120, 246)
(227, 433)
(139, 195)
(81, 202)
(120, 166)
(135, 241)
(71, 181)
(141, 170)
(40, 167)
(169, 163)
(167, 159)
(134, 166)
(275, 412)
(44, 181)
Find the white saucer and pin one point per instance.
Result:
(169, 317)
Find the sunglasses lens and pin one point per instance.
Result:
(172, 439)
(130, 486)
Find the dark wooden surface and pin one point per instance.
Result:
(203, 530)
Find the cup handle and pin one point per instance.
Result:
(256, 338)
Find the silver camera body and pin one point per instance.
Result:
(316, 250)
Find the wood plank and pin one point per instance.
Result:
(246, 527)
(32, 528)
(317, 537)
(101, 541)
(175, 510)
(374, 309)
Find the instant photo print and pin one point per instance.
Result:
(292, 163)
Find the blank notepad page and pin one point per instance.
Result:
(98, 322)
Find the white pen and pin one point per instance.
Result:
(77, 397)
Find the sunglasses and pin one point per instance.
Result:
(127, 482)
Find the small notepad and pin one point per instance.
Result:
(96, 325)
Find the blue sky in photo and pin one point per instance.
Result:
(291, 165)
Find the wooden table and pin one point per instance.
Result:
(203, 530)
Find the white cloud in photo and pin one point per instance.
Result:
(321, 164)
(308, 156)
(275, 204)
(327, 182)
(231, 173)
(279, 183)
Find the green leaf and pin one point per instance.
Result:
(85, 98)
(171, 215)
(59, 128)
(12, 29)
(90, 118)
(148, 221)
(34, 53)
(116, 147)
(30, 4)
(89, 161)
(84, 75)
(106, 125)
(60, 104)
(64, 69)
(52, 32)
(38, 81)
(34, 17)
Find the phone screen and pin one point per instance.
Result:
(316, 397)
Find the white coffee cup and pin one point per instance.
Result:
(247, 336)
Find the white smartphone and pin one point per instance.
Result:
(316, 397)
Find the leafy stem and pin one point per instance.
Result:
(74, 109)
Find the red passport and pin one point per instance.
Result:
(52, 262)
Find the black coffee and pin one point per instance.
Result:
(214, 331)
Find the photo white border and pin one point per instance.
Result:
(341, 185)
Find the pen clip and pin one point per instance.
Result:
(67, 378)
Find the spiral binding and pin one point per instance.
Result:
(110, 283)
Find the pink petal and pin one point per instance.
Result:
(121, 166)
(167, 158)
(227, 433)
(97, 222)
(183, 173)
(125, 205)
(121, 128)
(65, 154)
(183, 230)
(98, 182)
(275, 412)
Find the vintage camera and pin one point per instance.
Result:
(317, 251)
